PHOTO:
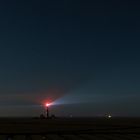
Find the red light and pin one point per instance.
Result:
(47, 105)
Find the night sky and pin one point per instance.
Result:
(83, 56)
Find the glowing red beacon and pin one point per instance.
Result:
(47, 105)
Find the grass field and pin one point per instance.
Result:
(70, 129)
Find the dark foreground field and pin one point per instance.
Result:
(70, 129)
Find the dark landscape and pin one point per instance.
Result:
(70, 129)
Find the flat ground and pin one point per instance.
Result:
(70, 129)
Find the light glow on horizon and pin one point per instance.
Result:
(47, 104)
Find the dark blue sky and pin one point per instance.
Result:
(77, 53)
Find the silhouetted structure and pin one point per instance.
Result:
(47, 112)
(42, 116)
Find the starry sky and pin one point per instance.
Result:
(83, 56)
